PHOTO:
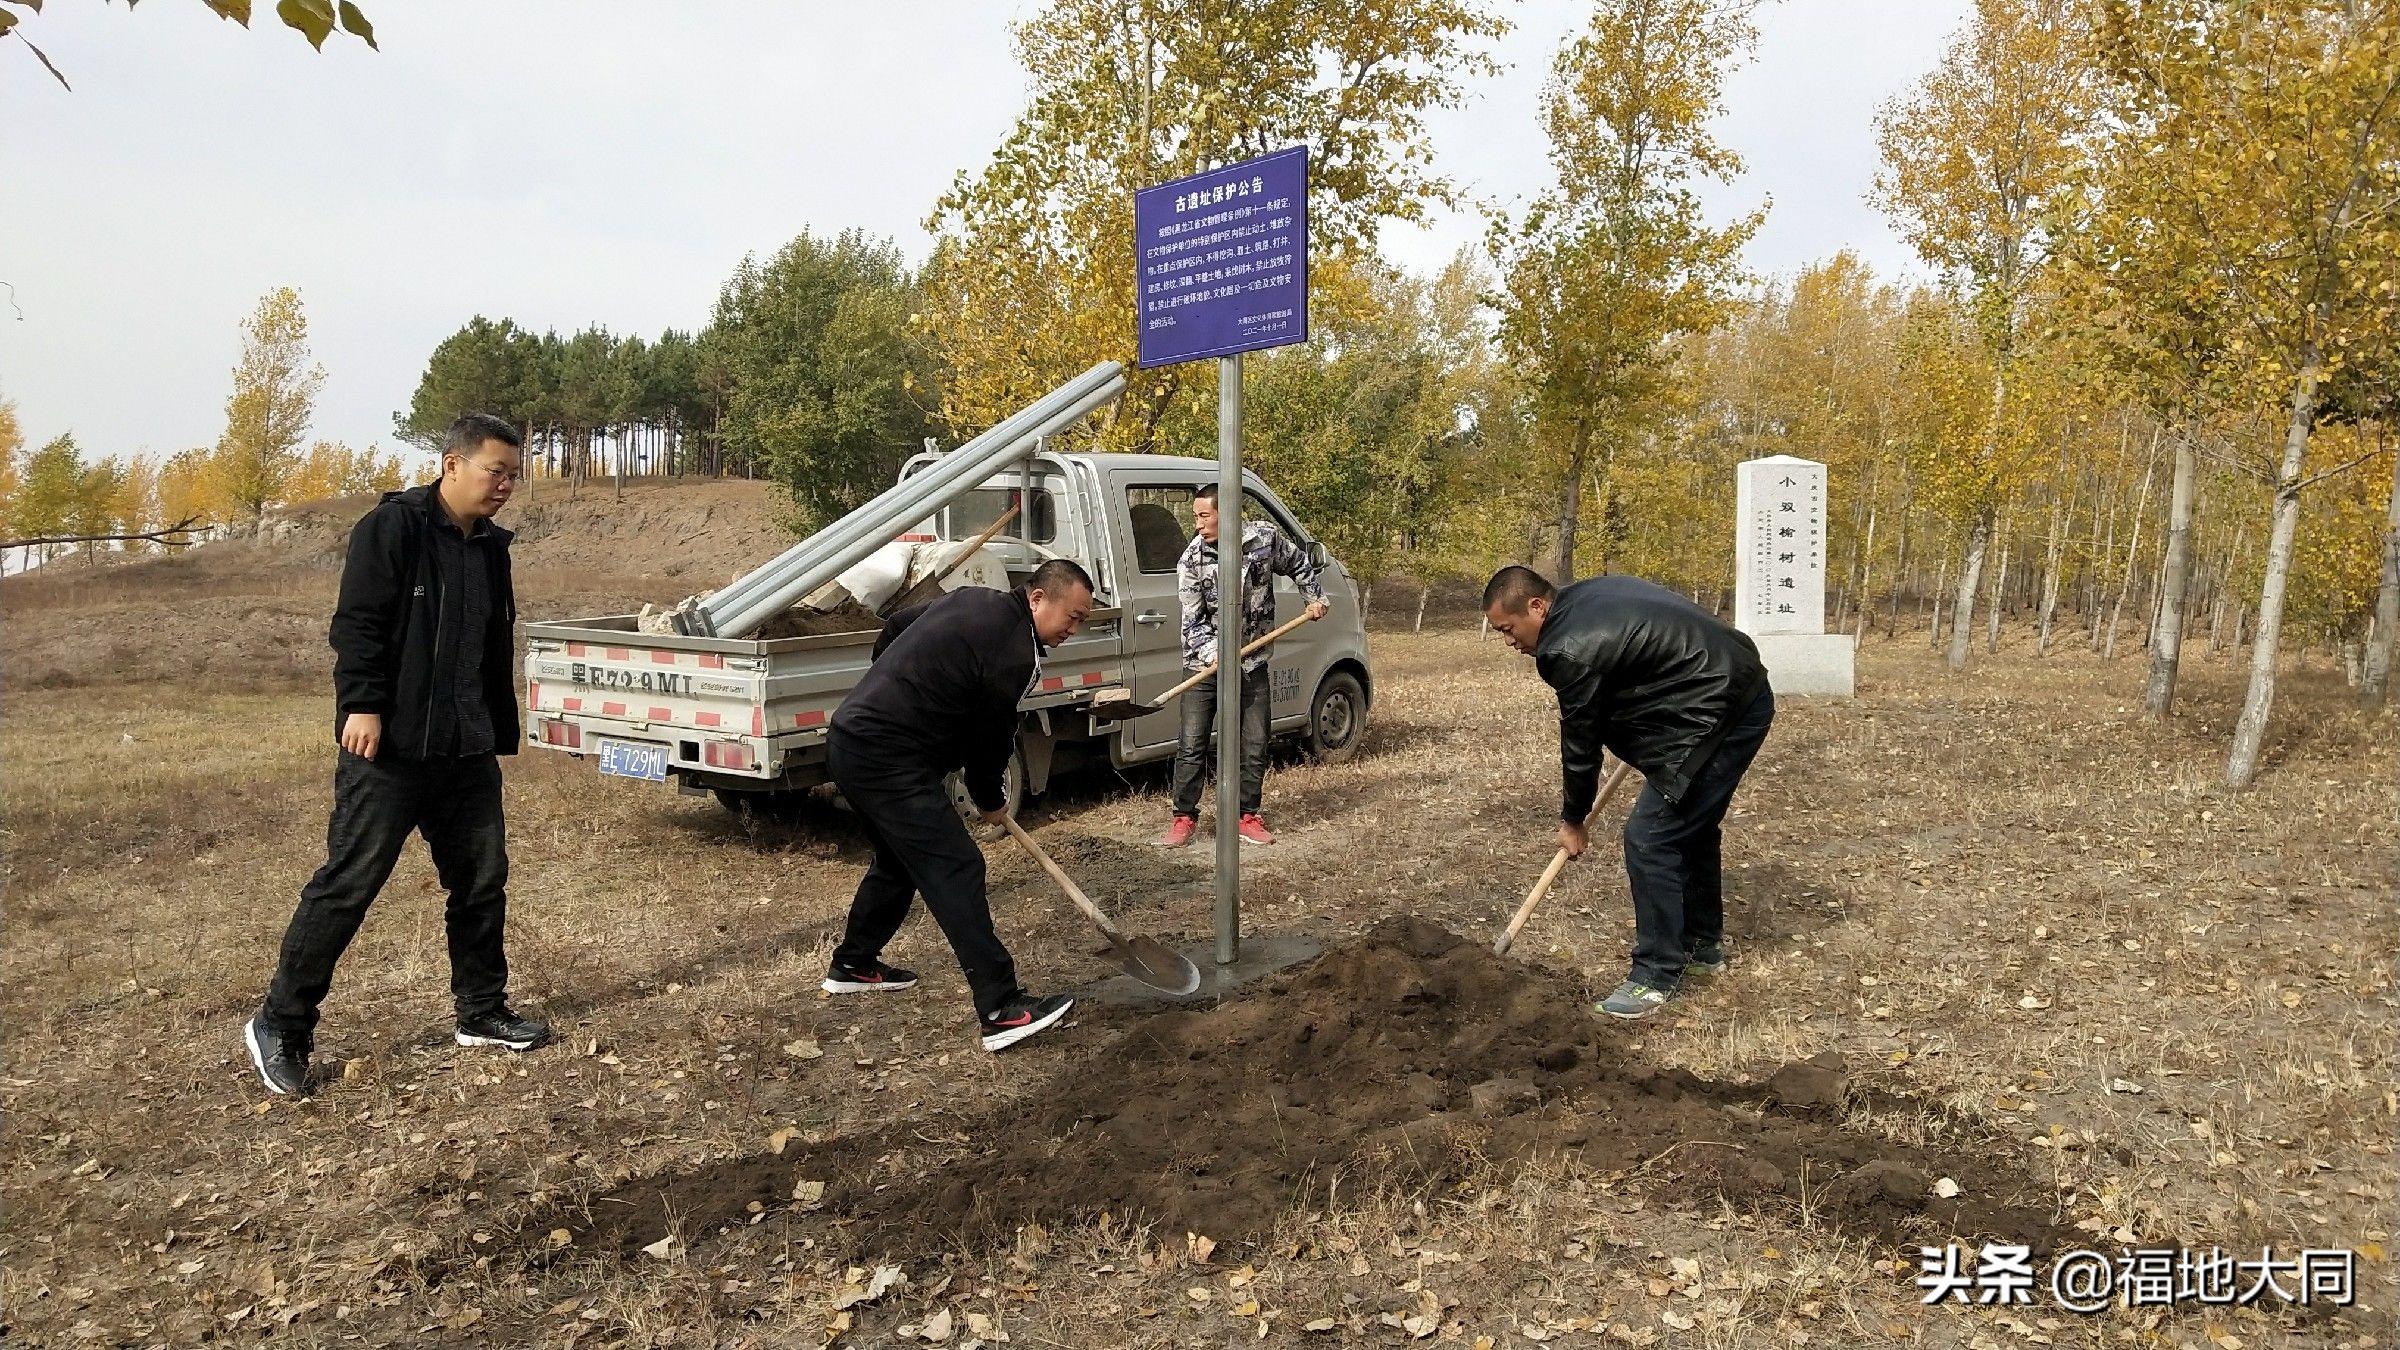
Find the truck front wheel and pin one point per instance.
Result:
(1337, 719)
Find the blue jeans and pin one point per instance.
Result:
(1672, 854)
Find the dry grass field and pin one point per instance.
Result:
(2058, 963)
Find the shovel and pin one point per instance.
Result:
(1608, 787)
(1115, 705)
(1147, 959)
(953, 565)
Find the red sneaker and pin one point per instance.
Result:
(1180, 832)
(1254, 830)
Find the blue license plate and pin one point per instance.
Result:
(633, 759)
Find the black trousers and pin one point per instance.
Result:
(377, 804)
(921, 848)
(1199, 729)
(1673, 856)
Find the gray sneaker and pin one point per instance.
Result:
(1707, 960)
(1633, 1000)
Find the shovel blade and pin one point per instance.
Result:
(1158, 965)
(1120, 711)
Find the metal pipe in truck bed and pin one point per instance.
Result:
(749, 601)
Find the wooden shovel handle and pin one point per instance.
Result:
(1608, 788)
(1192, 681)
(1065, 883)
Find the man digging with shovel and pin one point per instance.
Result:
(1647, 674)
(942, 696)
(1266, 553)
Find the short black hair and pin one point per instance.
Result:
(1207, 493)
(468, 434)
(1058, 574)
(1515, 586)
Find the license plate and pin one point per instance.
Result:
(633, 759)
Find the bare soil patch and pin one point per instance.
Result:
(1408, 1055)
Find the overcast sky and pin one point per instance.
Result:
(570, 163)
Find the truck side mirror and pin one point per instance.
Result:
(1317, 554)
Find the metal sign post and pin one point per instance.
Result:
(1223, 263)
(1232, 573)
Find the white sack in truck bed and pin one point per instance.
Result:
(891, 578)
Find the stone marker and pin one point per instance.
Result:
(1779, 577)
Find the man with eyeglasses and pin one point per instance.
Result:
(425, 702)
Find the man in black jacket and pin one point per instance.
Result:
(1647, 674)
(941, 697)
(424, 646)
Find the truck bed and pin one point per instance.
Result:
(736, 707)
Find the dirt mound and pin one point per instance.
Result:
(1407, 1057)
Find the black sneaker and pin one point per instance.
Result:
(1708, 959)
(870, 978)
(1020, 1017)
(504, 1028)
(281, 1060)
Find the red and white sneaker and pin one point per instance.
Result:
(1020, 1017)
(1255, 831)
(874, 977)
(1180, 832)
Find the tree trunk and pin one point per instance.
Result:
(1991, 640)
(2096, 582)
(2378, 673)
(2141, 504)
(1866, 573)
(1962, 611)
(2052, 553)
(1424, 589)
(1570, 508)
(2168, 649)
(1933, 635)
(2250, 732)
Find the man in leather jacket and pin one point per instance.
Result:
(1661, 683)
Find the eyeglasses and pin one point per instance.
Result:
(503, 475)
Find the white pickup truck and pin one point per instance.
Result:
(747, 719)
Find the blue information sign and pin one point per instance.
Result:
(1222, 260)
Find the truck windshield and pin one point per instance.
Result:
(972, 512)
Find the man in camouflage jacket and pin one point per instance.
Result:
(1266, 554)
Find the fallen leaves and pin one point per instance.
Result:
(858, 1286)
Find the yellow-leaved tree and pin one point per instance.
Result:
(1613, 264)
(1032, 274)
(274, 397)
(12, 473)
(2280, 123)
(1973, 156)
